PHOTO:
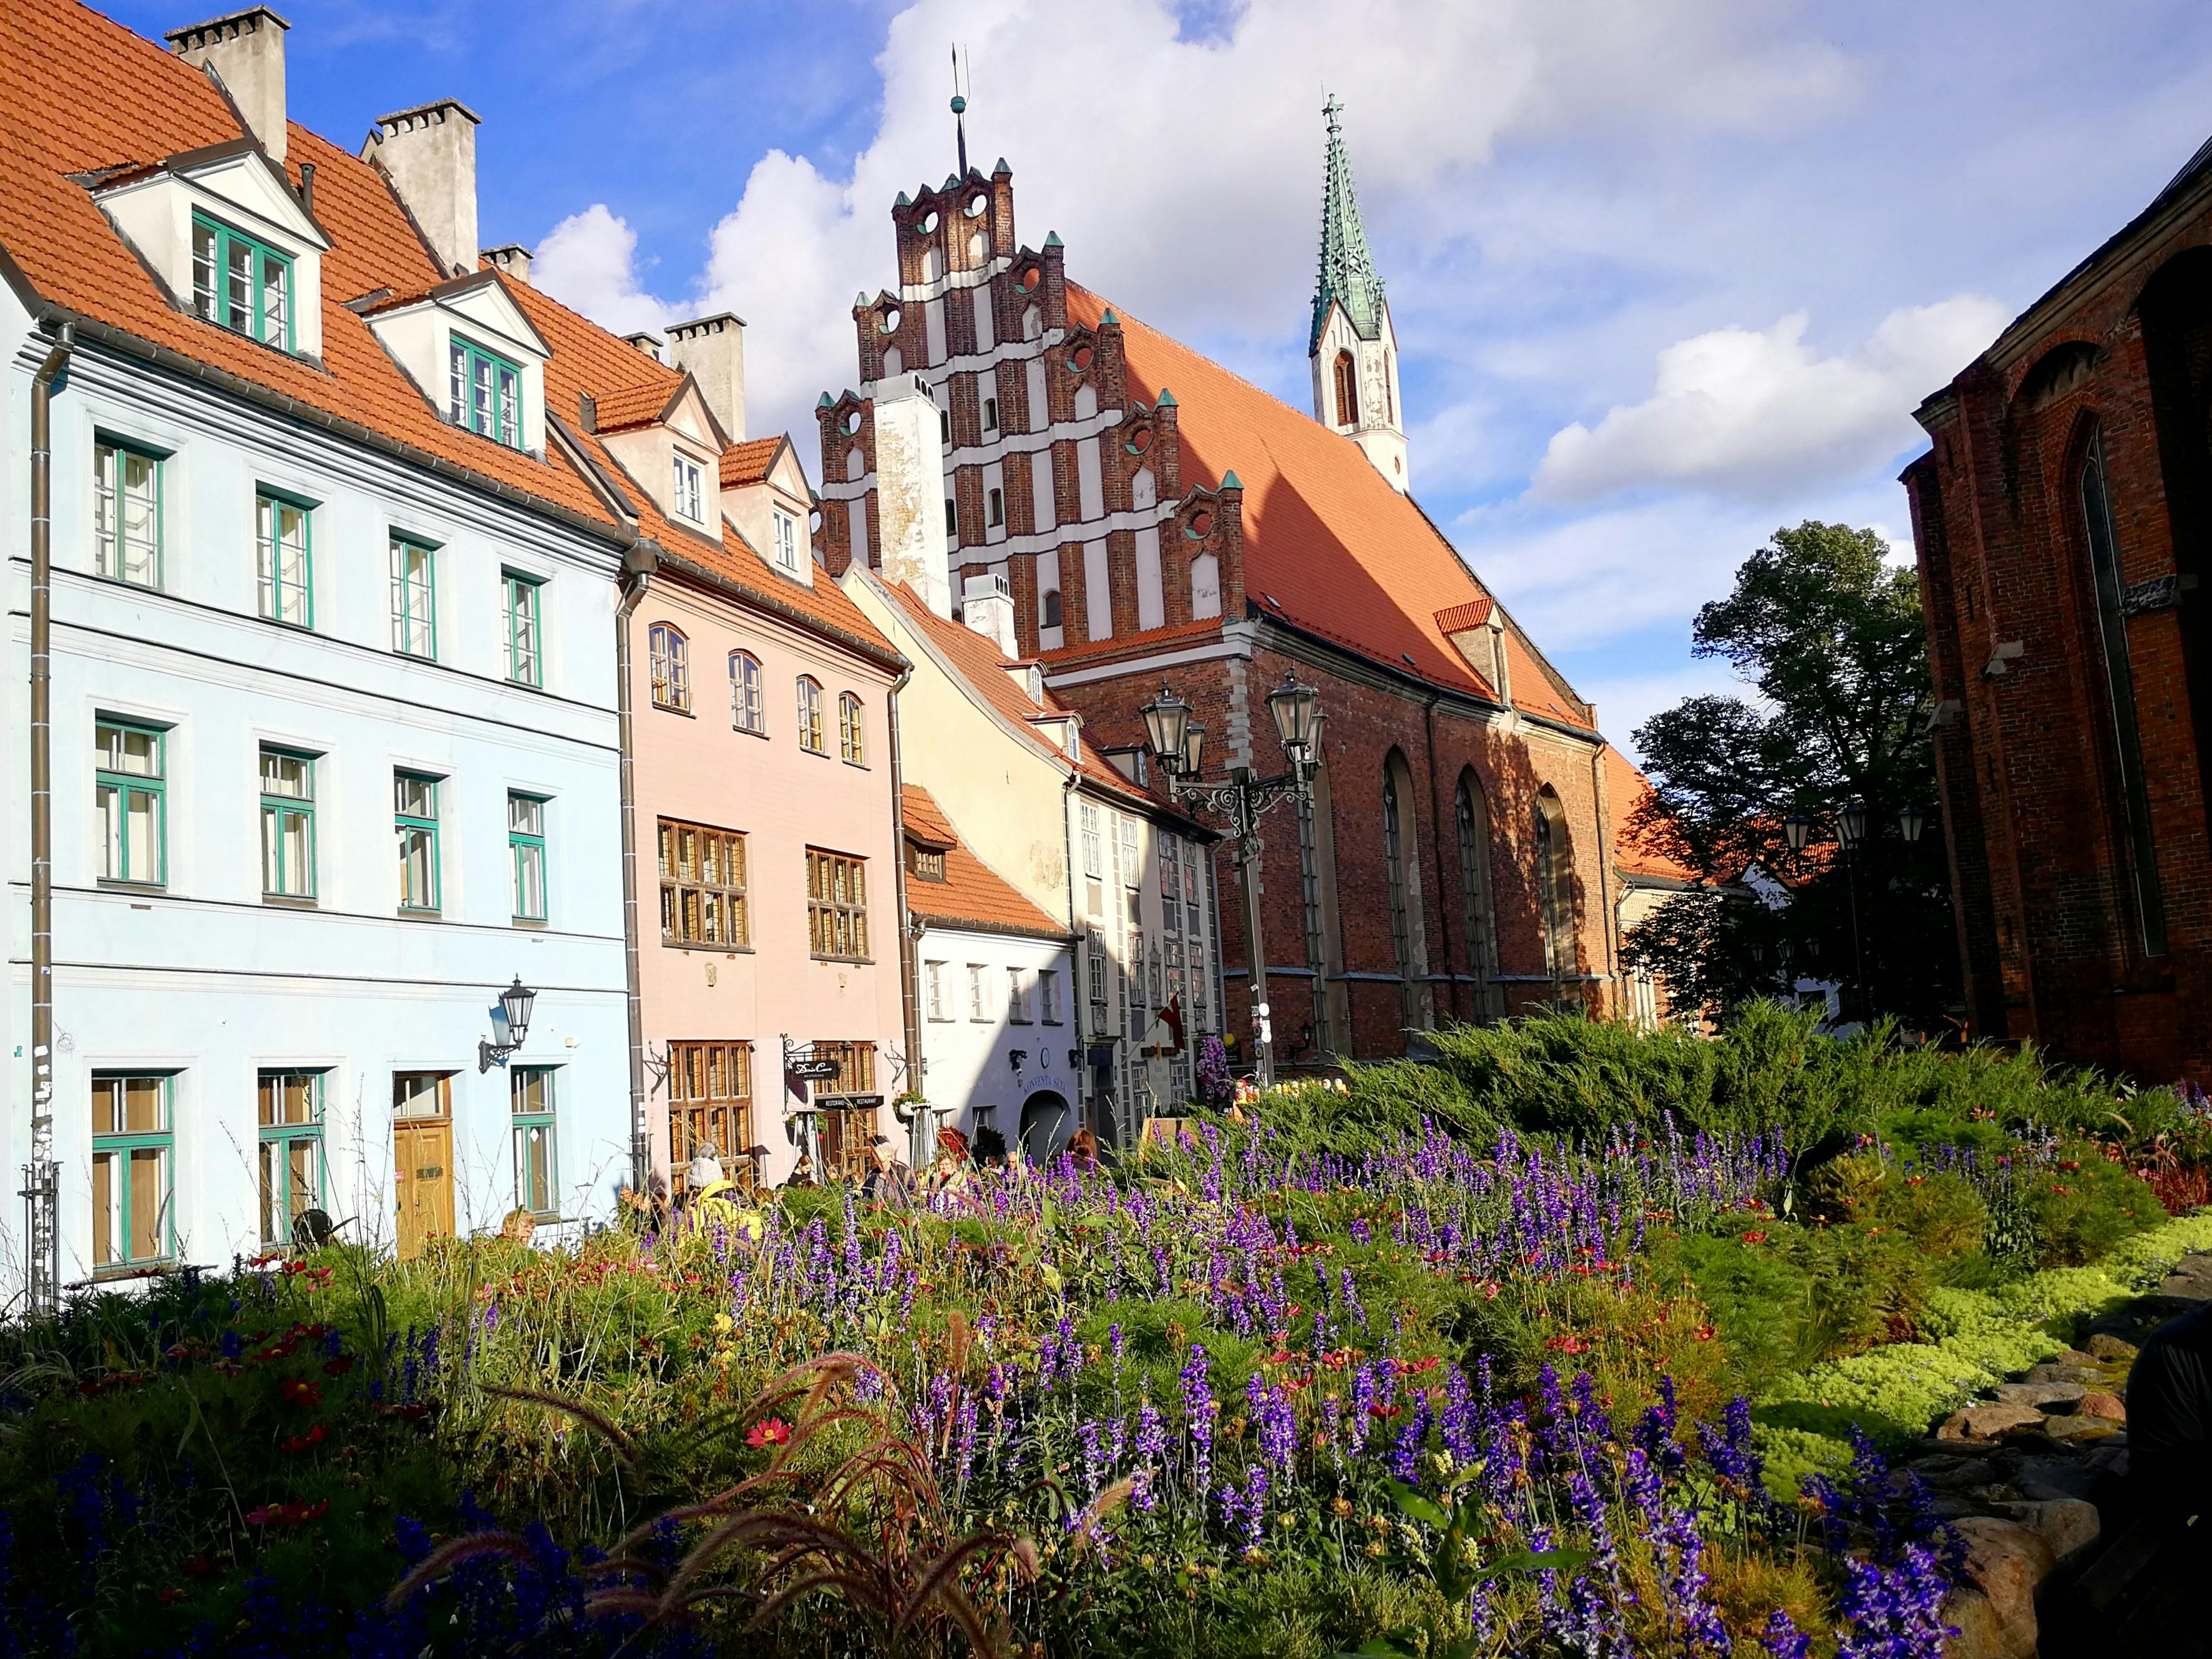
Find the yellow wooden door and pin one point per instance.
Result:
(423, 1160)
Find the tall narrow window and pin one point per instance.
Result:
(852, 730)
(240, 283)
(127, 510)
(415, 819)
(287, 824)
(933, 978)
(710, 1103)
(703, 886)
(283, 553)
(669, 654)
(689, 496)
(787, 541)
(2120, 688)
(1048, 990)
(748, 709)
(1401, 862)
(1052, 608)
(1473, 817)
(526, 661)
(133, 1171)
(1555, 899)
(810, 716)
(837, 905)
(525, 847)
(1347, 391)
(994, 507)
(537, 1180)
(1316, 930)
(129, 798)
(291, 1109)
(414, 597)
(485, 393)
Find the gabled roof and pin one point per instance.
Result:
(1626, 789)
(1329, 546)
(752, 461)
(971, 895)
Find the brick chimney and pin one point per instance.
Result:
(712, 350)
(245, 49)
(910, 491)
(988, 608)
(512, 257)
(429, 154)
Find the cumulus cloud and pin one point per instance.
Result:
(1759, 412)
(589, 262)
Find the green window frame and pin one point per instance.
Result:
(526, 637)
(127, 512)
(241, 282)
(284, 553)
(130, 800)
(536, 1165)
(414, 597)
(287, 824)
(414, 821)
(134, 1221)
(290, 1103)
(525, 844)
(485, 393)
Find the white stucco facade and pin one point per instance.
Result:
(1000, 1046)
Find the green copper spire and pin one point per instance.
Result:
(1347, 270)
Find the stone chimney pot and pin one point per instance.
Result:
(988, 607)
(512, 257)
(712, 350)
(245, 49)
(429, 154)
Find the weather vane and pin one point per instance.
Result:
(960, 107)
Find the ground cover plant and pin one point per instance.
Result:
(1532, 1377)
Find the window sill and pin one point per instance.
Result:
(818, 754)
(289, 902)
(671, 708)
(530, 924)
(750, 732)
(858, 766)
(416, 656)
(409, 913)
(285, 623)
(525, 686)
(154, 587)
(847, 962)
(136, 889)
(707, 945)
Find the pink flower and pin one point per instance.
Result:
(773, 1432)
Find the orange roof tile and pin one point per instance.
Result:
(1458, 618)
(748, 462)
(1328, 545)
(971, 895)
(1635, 849)
(621, 407)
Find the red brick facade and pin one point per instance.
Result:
(1239, 541)
(2064, 520)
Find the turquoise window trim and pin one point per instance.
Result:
(525, 611)
(406, 824)
(266, 549)
(414, 601)
(155, 786)
(121, 1144)
(285, 1136)
(212, 302)
(523, 845)
(537, 1141)
(110, 498)
(500, 418)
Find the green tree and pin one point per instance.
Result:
(1827, 638)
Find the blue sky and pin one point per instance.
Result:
(1665, 275)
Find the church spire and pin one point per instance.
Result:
(1347, 270)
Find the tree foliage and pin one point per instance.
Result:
(1827, 638)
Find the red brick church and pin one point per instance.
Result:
(1160, 521)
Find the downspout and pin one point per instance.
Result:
(1437, 846)
(638, 563)
(1078, 955)
(42, 1284)
(909, 936)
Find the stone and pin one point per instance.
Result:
(2078, 1427)
(2087, 1375)
(2075, 1356)
(2057, 1475)
(1987, 1422)
(2066, 1524)
(2110, 1348)
(1981, 1634)
(2048, 1395)
(2100, 1404)
(2006, 1562)
(1947, 1473)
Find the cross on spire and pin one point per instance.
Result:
(1347, 270)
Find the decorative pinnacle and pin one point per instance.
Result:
(1231, 481)
(1347, 274)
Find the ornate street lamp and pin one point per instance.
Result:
(1911, 820)
(512, 1018)
(1241, 798)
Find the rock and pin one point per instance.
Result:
(1987, 1422)
(1981, 1634)
(2106, 1406)
(2065, 1523)
(2048, 1395)
(2075, 1356)
(1950, 1473)
(2006, 1561)
(2057, 1475)
(2110, 1348)
(2087, 1375)
(2074, 1429)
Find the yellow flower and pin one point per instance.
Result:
(724, 1324)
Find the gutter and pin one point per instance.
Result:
(638, 561)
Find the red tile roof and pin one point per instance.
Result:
(621, 407)
(1635, 848)
(748, 462)
(1458, 618)
(1328, 545)
(971, 895)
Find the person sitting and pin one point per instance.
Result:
(802, 1173)
(705, 1168)
(890, 1179)
(1083, 1148)
(949, 1171)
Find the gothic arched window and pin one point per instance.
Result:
(1347, 391)
(1401, 865)
(1473, 813)
(1555, 891)
(1052, 603)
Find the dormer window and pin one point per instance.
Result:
(689, 498)
(485, 393)
(787, 541)
(241, 284)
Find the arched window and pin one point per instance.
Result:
(1206, 586)
(810, 715)
(1402, 867)
(1472, 812)
(1555, 892)
(2119, 686)
(893, 363)
(1389, 394)
(748, 712)
(1052, 603)
(852, 740)
(1347, 391)
(670, 654)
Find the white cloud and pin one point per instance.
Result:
(1626, 702)
(1759, 414)
(589, 262)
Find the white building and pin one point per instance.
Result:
(335, 742)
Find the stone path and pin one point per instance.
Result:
(2032, 1475)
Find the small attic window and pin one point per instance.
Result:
(1080, 359)
(241, 284)
(485, 393)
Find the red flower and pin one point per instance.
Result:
(773, 1432)
(1704, 1333)
(339, 1366)
(300, 1443)
(294, 1392)
(1754, 1238)
(1564, 1344)
(199, 1567)
(1382, 1412)
(168, 1597)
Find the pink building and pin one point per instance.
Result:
(764, 815)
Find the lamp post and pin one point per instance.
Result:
(1241, 798)
(1850, 833)
(512, 1018)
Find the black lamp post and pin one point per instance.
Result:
(514, 1005)
(1798, 829)
(1910, 821)
(1241, 798)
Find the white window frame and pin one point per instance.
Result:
(688, 498)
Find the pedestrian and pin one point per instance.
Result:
(890, 1179)
(802, 1173)
(705, 1168)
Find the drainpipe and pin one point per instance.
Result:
(1078, 959)
(638, 563)
(41, 1186)
(909, 936)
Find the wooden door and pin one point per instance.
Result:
(423, 1159)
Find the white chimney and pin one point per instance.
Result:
(910, 491)
(430, 155)
(988, 608)
(712, 350)
(512, 257)
(245, 49)
(648, 342)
